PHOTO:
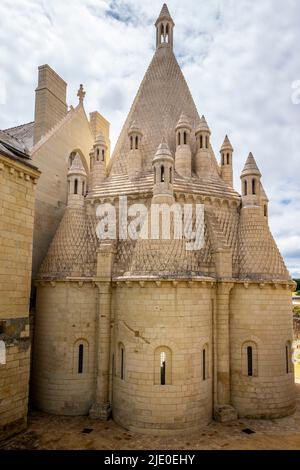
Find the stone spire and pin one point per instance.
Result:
(250, 167)
(226, 162)
(164, 28)
(81, 94)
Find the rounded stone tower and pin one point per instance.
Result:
(98, 161)
(163, 167)
(77, 183)
(203, 157)
(135, 160)
(183, 155)
(226, 161)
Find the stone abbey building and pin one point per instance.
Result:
(163, 338)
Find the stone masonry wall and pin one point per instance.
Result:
(17, 195)
(163, 316)
(65, 318)
(261, 315)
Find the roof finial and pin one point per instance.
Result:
(81, 94)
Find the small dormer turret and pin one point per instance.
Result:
(98, 157)
(183, 156)
(135, 160)
(226, 162)
(77, 183)
(164, 29)
(163, 166)
(251, 186)
(203, 158)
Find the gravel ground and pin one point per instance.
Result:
(48, 432)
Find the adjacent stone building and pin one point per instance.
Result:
(18, 180)
(164, 338)
(57, 133)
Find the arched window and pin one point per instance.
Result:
(131, 143)
(163, 366)
(205, 370)
(80, 358)
(249, 359)
(201, 141)
(206, 142)
(184, 138)
(122, 361)
(245, 188)
(80, 354)
(228, 159)
(171, 175)
(253, 186)
(179, 135)
(2, 353)
(136, 143)
(162, 33)
(75, 186)
(162, 174)
(288, 363)
(103, 155)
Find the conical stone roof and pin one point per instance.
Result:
(226, 144)
(250, 167)
(159, 103)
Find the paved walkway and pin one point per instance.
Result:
(53, 432)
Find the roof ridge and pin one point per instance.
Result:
(17, 127)
(55, 128)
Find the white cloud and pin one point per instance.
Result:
(240, 59)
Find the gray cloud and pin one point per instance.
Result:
(240, 59)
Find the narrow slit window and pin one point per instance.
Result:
(204, 364)
(103, 155)
(136, 143)
(162, 368)
(228, 159)
(80, 359)
(170, 175)
(75, 187)
(122, 365)
(206, 142)
(245, 188)
(253, 186)
(83, 188)
(201, 141)
(178, 138)
(131, 143)
(162, 174)
(250, 361)
(98, 153)
(184, 138)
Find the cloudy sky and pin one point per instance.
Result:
(240, 58)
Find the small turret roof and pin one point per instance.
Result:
(226, 144)
(250, 167)
(163, 150)
(134, 128)
(183, 122)
(203, 126)
(100, 139)
(77, 167)
(164, 14)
